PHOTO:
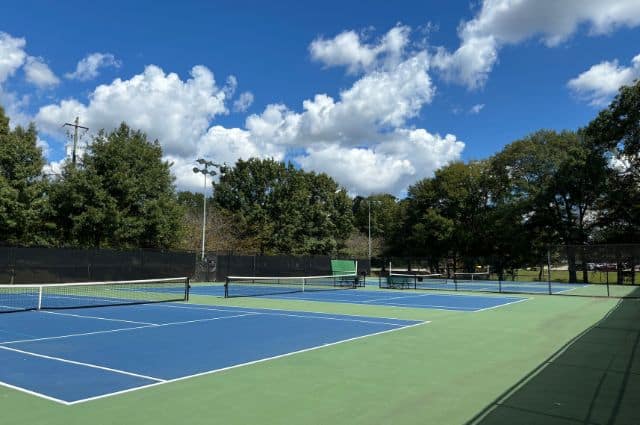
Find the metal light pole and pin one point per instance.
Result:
(369, 202)
(205, 171)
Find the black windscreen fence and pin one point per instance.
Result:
(217, 266)
(267, 265)
(21, 265)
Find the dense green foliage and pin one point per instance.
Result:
(122, 195)
(284, 209)
(22, 191)
(615, 134)
(569, 187)
(385, 214)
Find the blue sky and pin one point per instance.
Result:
(405, 87)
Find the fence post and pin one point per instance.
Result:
(12, 266)
(549, 270)
(89, 258)
(253, 266)
(455, 279)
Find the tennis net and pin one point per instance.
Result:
(471, 277)
(414, 280)
(92, 294)
(254, 286)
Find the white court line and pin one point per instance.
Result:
(322, 300)
(468, 293)
(124, 329)
(308, 316)
(413, 295)
(503, 305)
(570, 289)
(90, 365)
(384, 302)
(279, 356)
(229, 308)
(311, 316)
(35, 393)
(98, 318)
(429, 306)
(381, 303)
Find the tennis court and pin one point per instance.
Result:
(268, 359)
(75, 355)
(454, 302)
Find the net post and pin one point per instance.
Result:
(226, 287)
(40, 288)
(187, 286)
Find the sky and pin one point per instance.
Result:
(377, 94)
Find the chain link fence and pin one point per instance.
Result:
(572, 270)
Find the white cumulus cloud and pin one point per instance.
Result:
(88, 67)
(380, 100)
(221, 145)
(12, 55)
(601, 82)
(502, 22)
(350, 50)
(177, 112)
(243, 102)
(390, 166)
(363, 136)
(161, 104)
(39, 74)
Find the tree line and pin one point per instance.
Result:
(568, 187)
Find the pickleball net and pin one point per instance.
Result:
(255, 286)
(92, 294)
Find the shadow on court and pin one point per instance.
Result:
(594, 379)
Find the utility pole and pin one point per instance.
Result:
(76, 125)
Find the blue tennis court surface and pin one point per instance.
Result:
(456, 302)
(77, 355)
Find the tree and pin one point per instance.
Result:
(283, 209)
(385, 217)
(121, 196)
(447, 214)
(554, 181)
(84, 212)
(22, 188)
(615, 136)
(191, 202)
(357, 246)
